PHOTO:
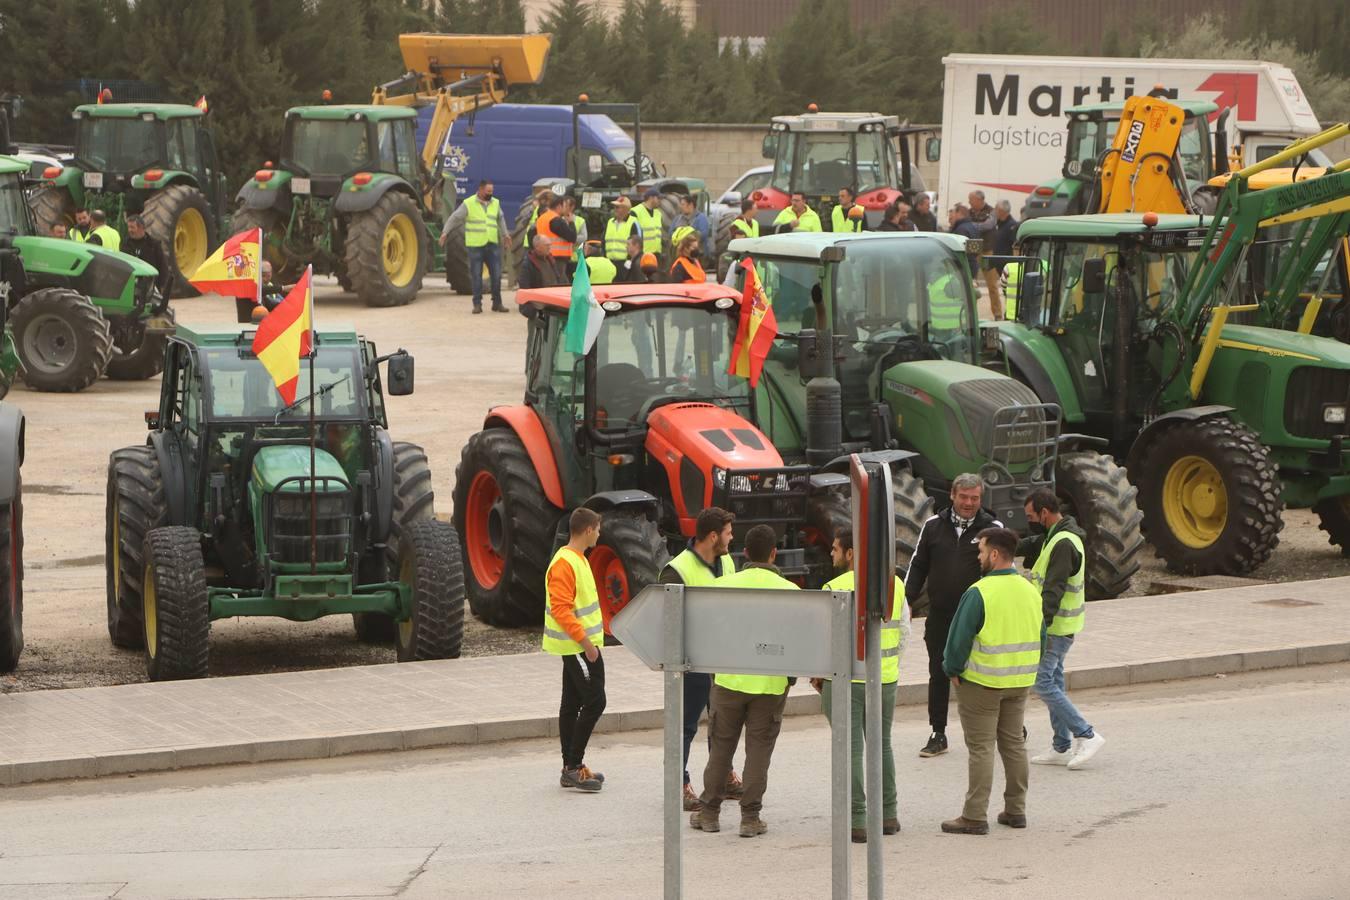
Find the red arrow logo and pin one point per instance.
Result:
(1235, 89)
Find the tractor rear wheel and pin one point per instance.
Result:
(511, 259)
(180, 218)
(135, 507)
(51, 205)
(1095, 491)
(723, 235)
(386, 251)
(62, 340)
(457, 261)
(177, 608)
(1211, 498)
(913, 507)
(11, 581)
(430, 566)
(1333, 516)
(628, 557)
(414, 501)
(273, 228)
(505, 526)
(146, 360)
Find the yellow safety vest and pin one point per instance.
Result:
(587, 602)
(480, 225)
(892, 632)
(807, 221)
(109, 236)
(694, 572)
(1013, 293)
(748, 229)
(649, 220)
(755, 684)
(616, 238)
(601, 270)
(1069, 619)
(944, 312)
(1007, 650)
(841, 222)
(76, 235)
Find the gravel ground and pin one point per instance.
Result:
(465, 364)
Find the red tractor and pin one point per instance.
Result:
(648, 429)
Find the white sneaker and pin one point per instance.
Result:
(1053, 758)
(1087, 748)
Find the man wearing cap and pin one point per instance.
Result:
(648, 215)
(619, 229)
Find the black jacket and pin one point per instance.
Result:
(945, 564)
(923, 221)
(1005, 235)
(536, 274)
(149, 250)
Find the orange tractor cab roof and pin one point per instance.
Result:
(634, 295)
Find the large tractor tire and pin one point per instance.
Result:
(511, 259)
(284, 269)
(723, 236)
(505, 526)
(414, 501)
(180, 218)
(670, 208)
(62, 340)
(1211, 498)
(913, 507)
(629, 556)
(51, 205)
(177, 608)
(429, 564)
(1095, 491)
(457, 261)
(1333, 516)
(11, 582)
(386, 251)
(135, 507)
(146, 360)
(826, 515)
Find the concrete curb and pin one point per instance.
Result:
(159, 759)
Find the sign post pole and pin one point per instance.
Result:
(674, 668)
(841, 636)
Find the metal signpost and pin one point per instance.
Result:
(678, 629)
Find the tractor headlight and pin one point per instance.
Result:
(1334, 414)
(719, 478)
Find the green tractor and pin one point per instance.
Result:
(1123, 321)
(239, 505)
(914, 388)
(350, 197)
(155, 159)
(80, 311)
(11, 491)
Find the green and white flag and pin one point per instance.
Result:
(585, 316)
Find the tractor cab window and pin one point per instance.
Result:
(13, 206)
(1160, 281)
(653, 353)
(875, 158)
(1072, 301)
(1193, 148)
(788, 285)
(328, 146)
(825, 163)
(781, 177)
(1087, 139)
(904, 290)
(384, 135)
(182, 146)
(106, 144)
(240, 388)
(405, 150)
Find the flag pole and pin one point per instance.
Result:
(313, 488)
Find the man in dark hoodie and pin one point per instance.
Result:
(1057, 560)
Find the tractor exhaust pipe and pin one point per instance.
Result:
(824, 407)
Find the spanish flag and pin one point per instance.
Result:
(286, 336)
(235, 269)
(758, 328)
(202, 105)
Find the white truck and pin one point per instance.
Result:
(1007, 126)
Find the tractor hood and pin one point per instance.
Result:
(710, 436)
(1277, 343)
(273, 465)
(66, 257)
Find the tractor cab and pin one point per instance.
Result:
(327, 149)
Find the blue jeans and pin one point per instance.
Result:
(1065, 720)
(492, 255)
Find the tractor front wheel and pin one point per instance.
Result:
(177, 610)
(457, 261)
(11, 582)
(386, 251)
(1095, 491)
(520, 229)
(135, 507)
(628, 557)
(505, 526)
(413, 502)
(1211, 498)
(430, 567)
(913, 507)
(62, 340)
(180, 218)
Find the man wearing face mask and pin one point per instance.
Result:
(1054, 552)
(484, 233)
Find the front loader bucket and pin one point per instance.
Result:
(454, 56)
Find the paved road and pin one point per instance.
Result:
(1229, 787)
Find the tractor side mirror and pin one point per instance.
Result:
(932, 149)
(1094, 276)
(768, 148)
(400, 377)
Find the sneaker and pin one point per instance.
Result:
(582, 779)
(1012, 820)
(1087, 748)
(890, 826)
(1053, 758)
(735, 787)
(962, 825)
(936, 746)
(752, 826)
(705, 820)
(691, 801)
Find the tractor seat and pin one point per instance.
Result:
(620, 388)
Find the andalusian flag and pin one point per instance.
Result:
(235, 269)
(286, 336)
(584, 316)
(758, 328)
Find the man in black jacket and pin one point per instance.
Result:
(946, 562)
(146, 248)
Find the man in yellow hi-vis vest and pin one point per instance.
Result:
(893, 636)
(701, 563)
(750, 702)
(575, 630)
(1057, 559)
(992, 654)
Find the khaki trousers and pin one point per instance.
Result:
(995, 299)
(993, 717)
(761, 715)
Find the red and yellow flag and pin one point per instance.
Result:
(758, 328)
(235, 269)
(286, 336)
(202, 105)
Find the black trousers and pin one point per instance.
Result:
(939, 685)
(697, 687)
(583, 700)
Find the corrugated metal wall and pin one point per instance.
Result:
(1081, 25)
